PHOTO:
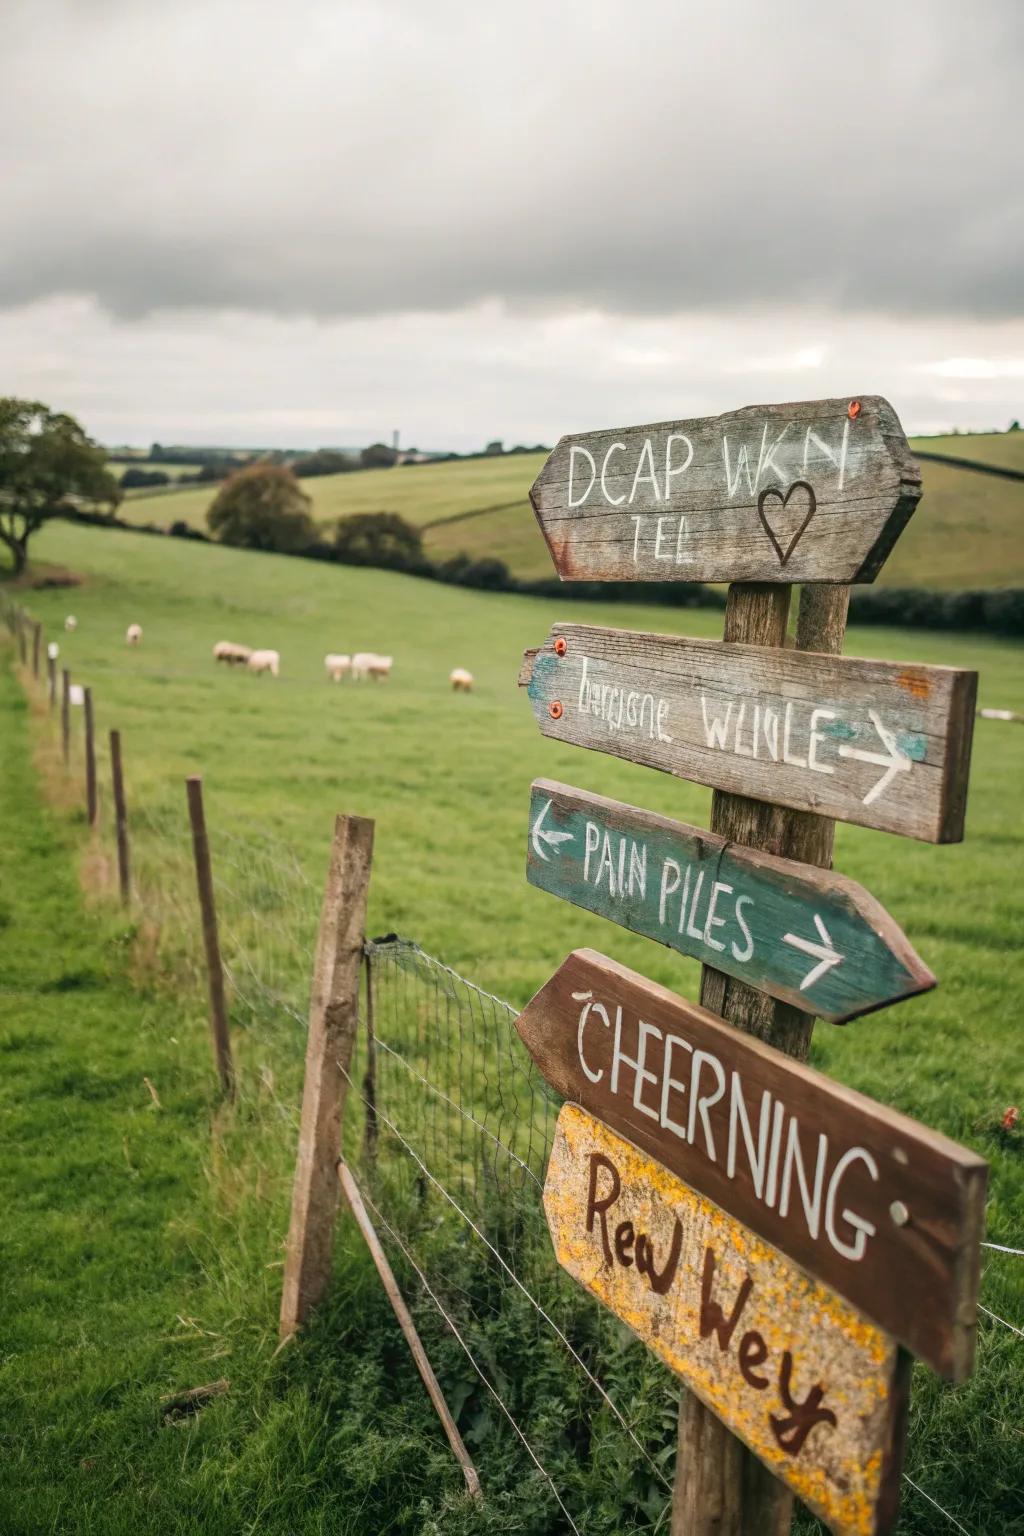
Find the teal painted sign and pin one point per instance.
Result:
(806, 935)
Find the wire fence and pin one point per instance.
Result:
(448, 1129)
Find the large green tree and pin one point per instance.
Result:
(263, 507)
(46, 461)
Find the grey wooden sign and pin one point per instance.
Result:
(808, 936)
(819, 490)
(878, 743)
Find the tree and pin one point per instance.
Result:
(46, 460)
(325, 461)
(378, 456)
(379, 538)
(263, 507)
(135, 479)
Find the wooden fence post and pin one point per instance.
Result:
(37, 641)
(65, 714)
(120, 818)
(51, 679)
(22, 646)
(721, 1488)
(333, 1013)
(91, 798)
(211, 942)
(370, 1127)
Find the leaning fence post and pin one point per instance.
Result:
(37, 640)
(91, 800)
(211, 942)
(65, 714)
(120, 818)
(51, 678)
(333, 1012)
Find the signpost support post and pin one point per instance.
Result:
(721, 1488)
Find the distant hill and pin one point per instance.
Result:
(967, 532)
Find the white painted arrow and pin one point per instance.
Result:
(894, 761)
(539, 833)
(825, 953)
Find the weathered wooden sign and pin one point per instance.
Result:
(879, 743)
(808, 936)
(819, 490)
(885, 1211)
(813, 1389)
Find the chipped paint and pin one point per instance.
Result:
(670, 1264)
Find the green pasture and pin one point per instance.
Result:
(965, 532)
(447, 778)
(1003, 449)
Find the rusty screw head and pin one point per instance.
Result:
(560, 646)
(853, 410)
(555, 709)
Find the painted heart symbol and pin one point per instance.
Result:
(772, 493)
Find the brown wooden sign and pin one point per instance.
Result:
(885, 1211)
(819, 490)
(878, 743)
(807, 1383)
(806, 935)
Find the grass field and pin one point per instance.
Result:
(1003, 449)
(965, 533)
(447, 779)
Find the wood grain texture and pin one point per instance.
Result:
(810, 937)
(333, 1015)
(219, 1031)
(881, 744)
(748, 1331)
(814, 491)
(814, 1168)
(124, 874)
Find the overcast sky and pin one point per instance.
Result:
(318, 221)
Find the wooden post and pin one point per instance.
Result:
(91, 798)
(211, 942)
(370, 1075)
(37, 640)
(65, 714)
(22, 646)
(51, 680)
(408, 1327)
(121, 818)
(721, 1489)
(333, 1013)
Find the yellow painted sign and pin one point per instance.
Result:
(813, 1388)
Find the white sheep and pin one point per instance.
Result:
(53, 650)
(70, 622)
(369, 664)
(337, 666)
(76, 694)
(234, 655)
(264, 661)
(133, 634)
(461, 680)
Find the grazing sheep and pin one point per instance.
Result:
(70, 622)
(234, 655)
(461, 680)
(369, 664)
(53, 650)
(337, 666)
(76, 694)
(264, 661)
(133, 634)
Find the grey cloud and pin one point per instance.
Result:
(349, 159)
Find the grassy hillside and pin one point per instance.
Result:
(447, 779)
(967, 532)
(1003, 449)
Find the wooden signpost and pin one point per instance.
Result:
(885, 1213)
(882, 1209)
(815, 1390)
(811, 937)
(815, 491)
(878, 743)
